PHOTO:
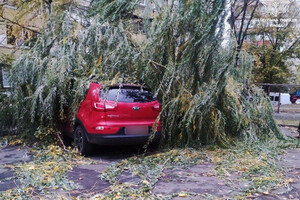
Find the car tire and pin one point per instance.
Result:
(80, 141)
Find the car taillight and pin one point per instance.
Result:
(98, 106)
(156, 107)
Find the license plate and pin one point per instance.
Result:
(137, 130)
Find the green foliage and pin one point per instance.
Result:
(115, 10)
(244, 105)
(181, 59)
(7, 110)
(278, 42)
(6, 60)
(271, 65)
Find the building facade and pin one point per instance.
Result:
(18, 30)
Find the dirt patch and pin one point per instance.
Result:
(14, 154)
(290, 131)
(291, 162)
(8, 156)
(87, 178)
(198, 179)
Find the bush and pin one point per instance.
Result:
(7, 110)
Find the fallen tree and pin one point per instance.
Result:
(204, 101)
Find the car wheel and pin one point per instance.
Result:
(80, 141)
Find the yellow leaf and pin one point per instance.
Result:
(145, 182)
(56, 169)
(182, 195)
(99, 61)
(247, 152)
(31, 167)
(15, 142)
(290, 180)
(266, 193)
(65, 40)
(209, 174)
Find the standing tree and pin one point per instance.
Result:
(277, 41)
(241, 15)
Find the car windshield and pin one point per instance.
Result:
(128, 94)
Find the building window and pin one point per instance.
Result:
(5, 79)
(3, 38)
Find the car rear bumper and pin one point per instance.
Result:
(105, 139)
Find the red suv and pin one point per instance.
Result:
(295, 98)
(118, 115)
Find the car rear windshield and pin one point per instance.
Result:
(127, 94)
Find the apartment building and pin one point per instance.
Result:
(270, 14)
(17, 34)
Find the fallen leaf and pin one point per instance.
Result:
(265, 193)
(31, 167)
(209, 174)
(182, 195)
(145, 182)
(290, 180)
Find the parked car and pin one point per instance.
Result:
(284, 98)
(118, 115)
(295, 98)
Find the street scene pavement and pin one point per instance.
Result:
(199, 180)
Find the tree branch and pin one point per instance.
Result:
(249, 21)
(18, 24)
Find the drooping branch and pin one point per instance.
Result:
(18, 24)
(248, 24)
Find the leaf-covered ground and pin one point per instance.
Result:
(268, 170)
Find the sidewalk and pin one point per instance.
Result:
(200, 181)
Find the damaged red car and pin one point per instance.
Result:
(116, 115)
